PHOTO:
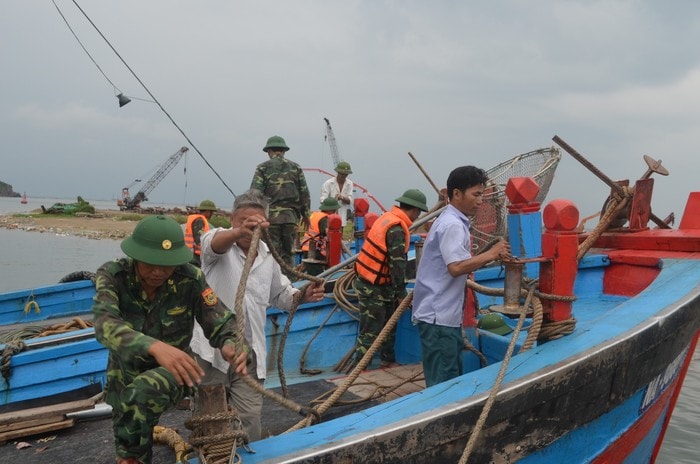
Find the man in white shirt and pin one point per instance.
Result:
(340, 188)
(224, 253)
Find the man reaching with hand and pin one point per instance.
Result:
(144, 311)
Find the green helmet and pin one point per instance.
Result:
(329, 204)
(275, 142)
(207, 205)
(413, 197)
(157, 240)
(343, 168)
(493, 322)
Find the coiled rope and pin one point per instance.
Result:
(14, 339)
(219, 448)
(11, 348)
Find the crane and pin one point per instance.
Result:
(128, 203)
(331, 141)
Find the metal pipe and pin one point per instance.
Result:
(512, 285)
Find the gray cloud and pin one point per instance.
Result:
(453, 82)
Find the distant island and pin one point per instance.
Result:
(6, 190)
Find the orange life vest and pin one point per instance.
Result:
(189, 235)
(372, 264)
(314, 232)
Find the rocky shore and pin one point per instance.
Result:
(101, 225)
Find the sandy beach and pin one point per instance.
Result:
(104, 224)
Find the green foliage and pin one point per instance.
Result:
(130, 217)
(219, 221)
(180, 218)
(83, 207)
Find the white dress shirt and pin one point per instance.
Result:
(330, 188)
(266, 286)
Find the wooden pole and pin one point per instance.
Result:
(437, 190)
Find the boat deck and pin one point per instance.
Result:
(90, 439)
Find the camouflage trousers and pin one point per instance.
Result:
(373, 316)
(138, 399)
(282, 238)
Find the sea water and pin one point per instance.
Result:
(32, 259)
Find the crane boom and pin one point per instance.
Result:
(133, 203)
(331, 141)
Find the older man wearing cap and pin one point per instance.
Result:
(381, 272)
(340, 188)
(144, 310)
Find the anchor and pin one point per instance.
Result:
(639, 212)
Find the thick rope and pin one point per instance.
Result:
(289, 270)
(497, 385)
(302, 358)
(169, 437)
(343, 292)
(469, 347)
(36, 331)
(11, 348)
(218, 448)
(321, 409)
(378, 392)
(617, 204)
(240, 321)
(539, 330)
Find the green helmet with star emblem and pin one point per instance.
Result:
(157, 240)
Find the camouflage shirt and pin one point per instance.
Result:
(283, 184)
(396, 244)
(127, 323)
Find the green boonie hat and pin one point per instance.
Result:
(275, 142)
(329, 204)
(157, 240)
(413, 197)
(493, 322)
(343, 168)
(207, 205)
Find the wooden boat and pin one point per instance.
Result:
(602, 393)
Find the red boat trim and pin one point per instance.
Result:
(676, 394)
(630, 440)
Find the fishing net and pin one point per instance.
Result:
(490, 223)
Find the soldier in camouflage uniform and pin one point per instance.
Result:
(144, 311)
(283, 184)
(381, 272)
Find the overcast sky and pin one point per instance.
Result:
(455, 83)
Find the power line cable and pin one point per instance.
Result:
(85, 49)
(155, 100)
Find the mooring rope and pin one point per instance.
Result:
(170, 437)
(11, 348)
(497, 385)
(616, 205)
(317, 411)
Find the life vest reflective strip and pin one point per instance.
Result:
(314, 231)
(189, 236)
(372, 264)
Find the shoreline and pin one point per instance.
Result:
(104, 224)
